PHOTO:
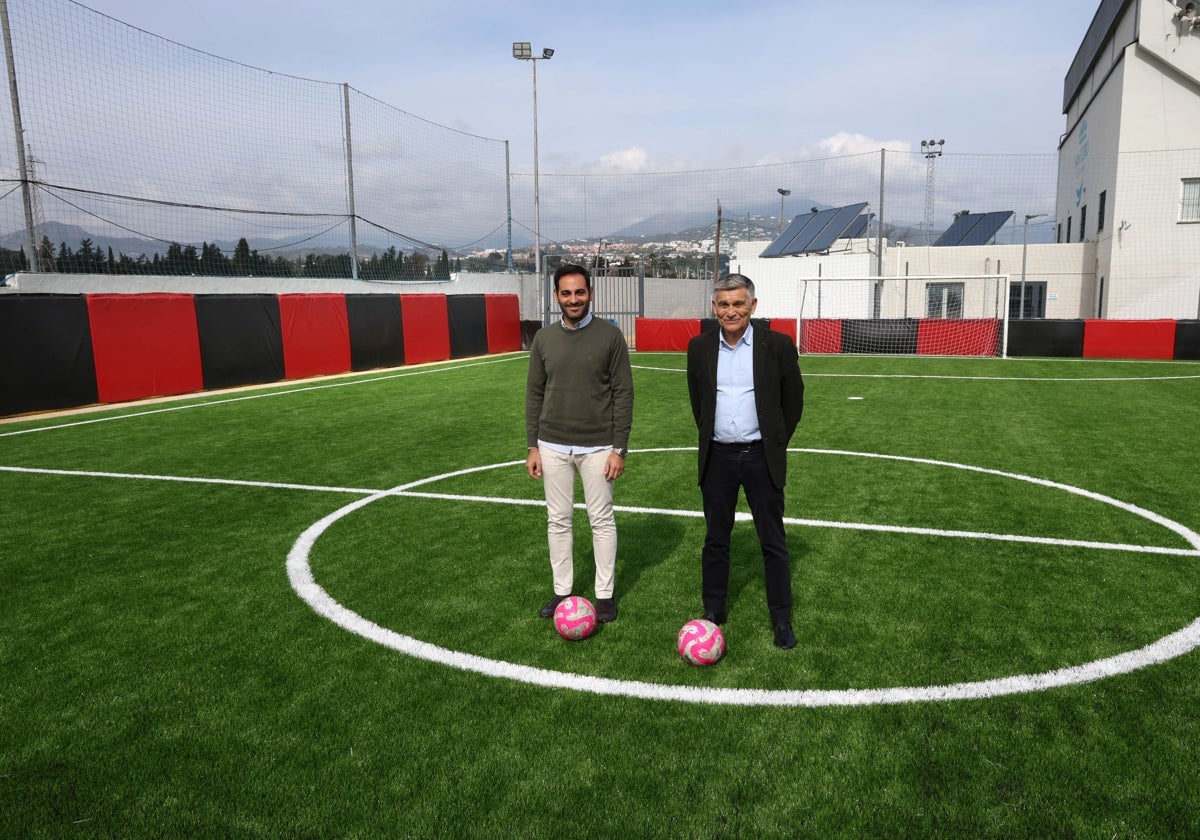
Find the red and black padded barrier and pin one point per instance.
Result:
(316, 335)
(1149, 339)
(46, 345)
(72, 350)
(503, 323)
(144, 346)
(1187, 340)
(376, 331)
(241, 340)
(426, 328)
(1077, 338)
(468, 325)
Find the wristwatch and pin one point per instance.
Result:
(624, 453)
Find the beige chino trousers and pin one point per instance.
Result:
(558, 477)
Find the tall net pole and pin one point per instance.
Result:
(19, 131)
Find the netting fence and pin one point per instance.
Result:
(142, 155)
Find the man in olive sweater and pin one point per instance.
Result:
(578, 414)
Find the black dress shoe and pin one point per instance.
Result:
(547, 611)
(784, 637)
(714, 616)
(606, 610)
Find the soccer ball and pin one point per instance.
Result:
(575, 618)
(700, 642)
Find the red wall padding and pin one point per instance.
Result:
(958, 337)
(1128, 339)
(787, 326)
(426, 328)
(316, 335)
(663, 334)
(821, 335)
(503, 323)
(144, 346)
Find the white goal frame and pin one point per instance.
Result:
(947, 315)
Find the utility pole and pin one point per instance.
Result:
(717, 246)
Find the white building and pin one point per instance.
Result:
(1129, 160)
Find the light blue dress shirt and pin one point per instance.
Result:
(737, 416)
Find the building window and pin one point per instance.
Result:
(1058, 236)
(944, 300)
(1189, 204)
(1068, 228)
(1100, 211)
(1083, 223)
(1029, 302)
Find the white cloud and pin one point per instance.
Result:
(633, 159)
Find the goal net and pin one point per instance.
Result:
(913, 315)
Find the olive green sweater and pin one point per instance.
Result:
(580, 387)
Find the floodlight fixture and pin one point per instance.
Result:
(523, 51)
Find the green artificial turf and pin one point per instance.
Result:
(159, 675)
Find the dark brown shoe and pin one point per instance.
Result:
(547, 611)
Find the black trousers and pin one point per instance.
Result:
(732, 467)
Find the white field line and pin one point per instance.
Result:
(259, 396)
(968, 378)
(272, 485)
(303, 583)
(694, 514)
(301, 578)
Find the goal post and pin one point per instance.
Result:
(958, 315)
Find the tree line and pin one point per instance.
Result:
(208, 260)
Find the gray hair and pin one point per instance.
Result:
(733, 281)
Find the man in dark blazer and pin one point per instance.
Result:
(747, 397)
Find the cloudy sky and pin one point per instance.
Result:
(644, 87)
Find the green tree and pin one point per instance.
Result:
(241, 258)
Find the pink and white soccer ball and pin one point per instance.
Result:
(700, 642)
(575, 618)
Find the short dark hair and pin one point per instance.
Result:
(567, 269)
(733, 281)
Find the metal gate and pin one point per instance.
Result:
(617, 298)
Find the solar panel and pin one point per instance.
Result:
(858, 228)
(987, 228)
(801, 230)
(973, 229)
(842, 219)
(790, 232)
(814, 231)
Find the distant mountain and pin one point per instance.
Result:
(682, 224)
(72, 235)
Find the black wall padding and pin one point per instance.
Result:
(46, 348)
(241, 342)
(1035, 337)
(1187, 339)
(898, 335)
(468, 325)
(528, 331)
(376, 331)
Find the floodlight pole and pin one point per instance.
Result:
(932, 149)
(782, 193)
(1024, 251)
(523, 52)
